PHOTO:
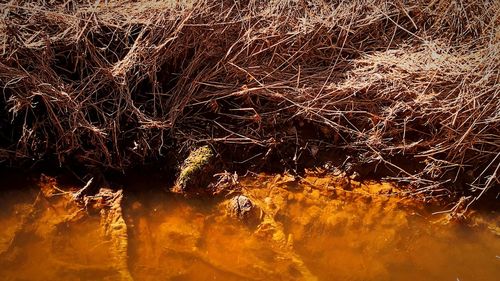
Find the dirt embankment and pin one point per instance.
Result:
(120, 83)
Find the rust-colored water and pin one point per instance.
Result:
(307, 230)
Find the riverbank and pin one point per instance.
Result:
(404, 91)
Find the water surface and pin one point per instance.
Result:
(312, 229)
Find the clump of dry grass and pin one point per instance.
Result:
(115, 82)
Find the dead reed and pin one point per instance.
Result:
(115, 82)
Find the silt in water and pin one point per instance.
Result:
(306, 230)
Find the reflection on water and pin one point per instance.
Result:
(307, 230)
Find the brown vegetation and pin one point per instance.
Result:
(114, 82)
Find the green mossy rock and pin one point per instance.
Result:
(196, 171)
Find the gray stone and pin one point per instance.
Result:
(240, 207)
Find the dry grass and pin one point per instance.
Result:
(114, 82)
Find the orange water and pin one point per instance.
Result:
(310, 230)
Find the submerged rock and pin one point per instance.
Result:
(243, 208)
(196, 171)
(240, 207)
